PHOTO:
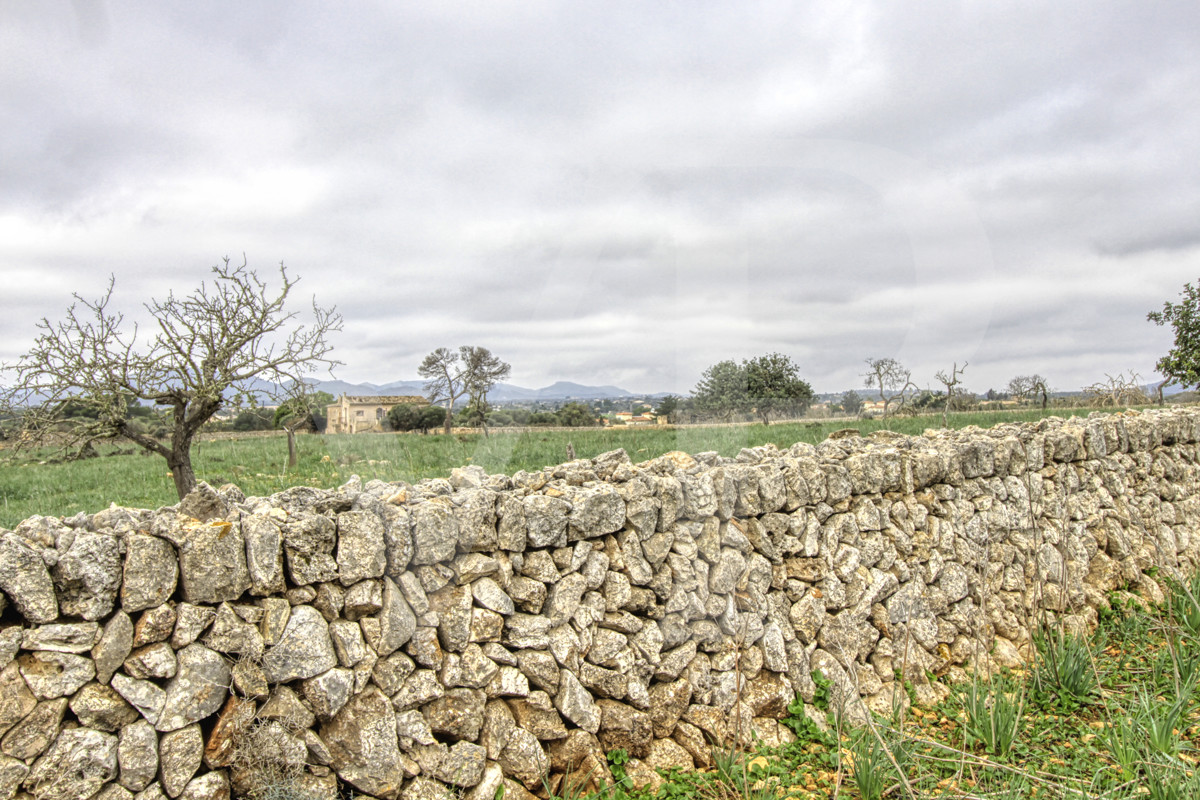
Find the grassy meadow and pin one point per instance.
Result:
(41, 482)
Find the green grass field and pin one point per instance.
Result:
(35, 482)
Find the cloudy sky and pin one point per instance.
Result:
(622, 193)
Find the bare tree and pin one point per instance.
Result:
(951, 382)
(891, 379)
(482, 371)
(213, 348)
(299, 412)
(1118, 390)
(444, 380)
(472, 371)
(1023, 387)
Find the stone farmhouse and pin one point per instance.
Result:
(357, 414)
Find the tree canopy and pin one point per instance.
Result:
(472, 371)
(770, 385)
(1181, 364)
(217, 346)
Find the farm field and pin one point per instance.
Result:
(41, 482)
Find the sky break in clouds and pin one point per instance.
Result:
(622, 193)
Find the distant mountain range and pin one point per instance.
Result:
(503, 393)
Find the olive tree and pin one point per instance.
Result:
(204, 351)
(1181, 364)
(891, 379)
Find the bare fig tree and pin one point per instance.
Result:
(1024, 387)
(951, 381)
(211, 349)
(891, 379)
(1118, 390)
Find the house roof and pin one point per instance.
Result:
(384, 399)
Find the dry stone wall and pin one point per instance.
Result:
(447, 638)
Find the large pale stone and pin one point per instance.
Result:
(308, 541)
(232, 635)
(197, 690)
(75, 767)
(144, 696)
(264, 554)
(458, 714)
(151, 572)
(668, 701)
(15, 698)
(152, 661)
(209, 786)
(524, 759)
(595, 512)
(25, 580)
(102, 707)
(88, 575)
(190, 622)
(546, 520)
(116, 640)
(52, 675)
(363, 745)
(576, 704)
(154, 625)
(12, 772)
(137, 755)
(435, 531)
(328, 692)
(396, 620)
(180, 753)
(303, 651)
(32, 735)
(453, 606)
(623, 726)
(536, 714)
(360, 548)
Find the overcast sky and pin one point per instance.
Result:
(622, 193)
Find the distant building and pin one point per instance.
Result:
(365, 413)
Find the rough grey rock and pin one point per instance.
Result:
(458, 714)
(460, 764)
(363, 745)
(328, 692)
(488, 594)
(179, 752)
(25, 580)
(396, 621)
(232, 635)
(304, 649)
(212, 559)
(50, 675)
(546, 520)
(576, 704)
(361, 554)
(152, 661)
(308, 541)
(435, 531)
(150, 574)
(32, 735)
(146, 697)
(63, 637)
(197, 690)
(209, 786)
(190, 622)
(137, 755)
(102, 707)
(75, 767)
(16, 701)
(154, 625)
(363, 599)
(12, 772)
(524, 759)
(596, 511)
(264, 554)
(88, 575)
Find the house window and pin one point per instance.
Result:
(358, 413)
(379, 413)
